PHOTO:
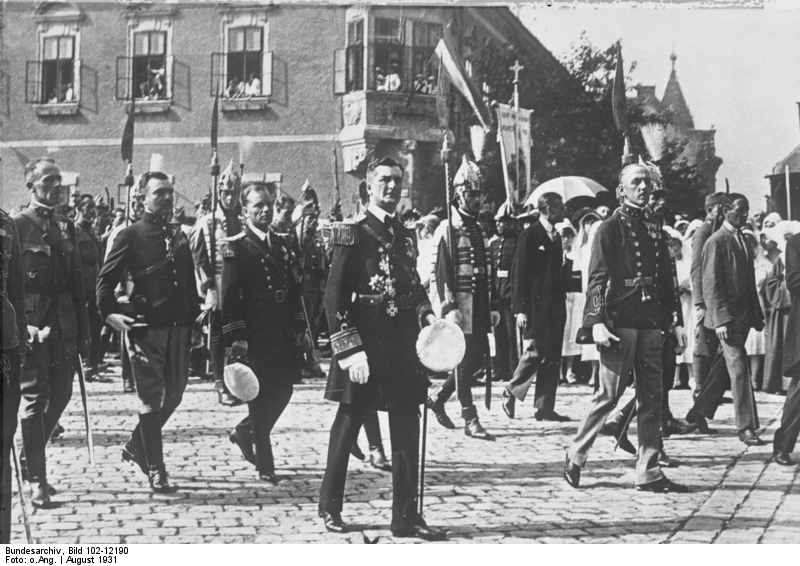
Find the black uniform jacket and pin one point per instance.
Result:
(537, 289)
(630, 281)
(51, 265)
(91, 256)
(157, 257)
(502, 248)
(376, 294)
(13, 288)
(261, 302)
(791, 343)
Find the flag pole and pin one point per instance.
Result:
(516, 68)
(788, 194)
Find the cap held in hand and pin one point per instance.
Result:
(241, 381)
(441, 346)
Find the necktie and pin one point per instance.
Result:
(388, 223)
(740, 239)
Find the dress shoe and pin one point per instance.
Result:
(158, 479)
(40, 498)
(473, 428)
(317, 371)
(613, 428)
(508, 403)
(572, 473)
(128, 387)
(750, 438)
(436, 404)
(333, 522)
(699, 420)
(228, 400)
(550, 415)
(90, 374)
(783, 458)
(269, 477)
(377, 459)
(665, 461)
(246, 447)
(726, 401)
(356, 451)
(422, 531)
(677, 426)
(58, 431)
(664, 485)
(130, 454)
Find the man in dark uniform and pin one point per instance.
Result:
(538, 301)
(55, 307)
(786, 436)
(91, 257)
(263, 319)
(164, 298)
(314, 275)
(14, 328)
(375, 306)
(226, 222)
(630, 300)
(462, 293)
(502, 249)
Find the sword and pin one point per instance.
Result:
(20, 491)
(85, 401)
(422, 460)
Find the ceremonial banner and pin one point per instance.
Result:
(454, 69)
(516, 142)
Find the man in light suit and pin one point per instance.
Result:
(538, 301)
(732, 308)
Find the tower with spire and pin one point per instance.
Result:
(700, 149)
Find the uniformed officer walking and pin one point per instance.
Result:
(375, 306)
(630, 300)
(165, 304)
(263, 320)
(55, 306)
(502, 247)
(91, 253)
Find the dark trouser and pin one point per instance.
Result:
(505, 338)
(473, 358)
(372, 428)
(106, 335)
(404, 431)
(93, 358)
(545, 366)
(217, 352)
(46, 386)
(641, 351)
(263, 412)
(705, 349)
(730, 367)
(10, 369)
(313, 304)
(160, 363)
(786, 436)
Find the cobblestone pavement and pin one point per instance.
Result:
(510, 490)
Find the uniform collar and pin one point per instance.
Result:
(632, 209)
(42, 210)
(260, 234)
(152, 218)
(379, 213)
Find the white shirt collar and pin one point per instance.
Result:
(263, 236)
(730, 227)
(547, 226)
(378, 212)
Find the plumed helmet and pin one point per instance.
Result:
(468, 176)
(441, 346)
(241, 381)
(505, 212)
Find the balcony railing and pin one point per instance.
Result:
(392, 68)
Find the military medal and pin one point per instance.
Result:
(391, 309)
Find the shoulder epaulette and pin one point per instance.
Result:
(227, 247)
(344, 234)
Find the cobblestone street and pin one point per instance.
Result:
(507, 491)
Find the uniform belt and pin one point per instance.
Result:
(639, 281)
(269, 297)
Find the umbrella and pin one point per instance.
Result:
(567, 187)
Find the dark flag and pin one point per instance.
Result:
(619, 103)
(127, 135)
(215, 120)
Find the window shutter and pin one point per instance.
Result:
(340, 71)
(170, 76)
(217, 74)
(123, 78)
(76, 80)
(266, 73)
(33, 82)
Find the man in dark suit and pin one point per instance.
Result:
(263, 318)
(55, 306)
(732, 309)
(375, 306)
(786, 436)
(538, 301)
(91, 253)
(164, 297)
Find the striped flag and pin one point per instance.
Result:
(454, 69)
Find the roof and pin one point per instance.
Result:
(674, 100)
(792, 160)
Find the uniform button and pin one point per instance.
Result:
(638, 254)
(633, 234)
(636, 244)
(639, 263)
(176, 283)
(639, 273)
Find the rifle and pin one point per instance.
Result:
(85, 401)
(21, 493)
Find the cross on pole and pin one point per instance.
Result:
(516, 67)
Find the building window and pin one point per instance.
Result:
(355, 55)
(149, 65)
(426, 36)
(244, 68)
(55, 78)
(388, 50)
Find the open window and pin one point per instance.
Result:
(146, 72)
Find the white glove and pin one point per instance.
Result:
(455, 317)
(680, 335)
(119, 321)
(359, 372)
(522, 320)
(494, 317)
(212, 300)
(33, 333)
(602, 336)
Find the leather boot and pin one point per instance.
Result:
(34, 441)
(435, 403)
(159, 482)
(472, 426)
(377, 458)
(150, 429)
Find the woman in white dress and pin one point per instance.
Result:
(574, 303)
(755, 346)
(682, 251)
